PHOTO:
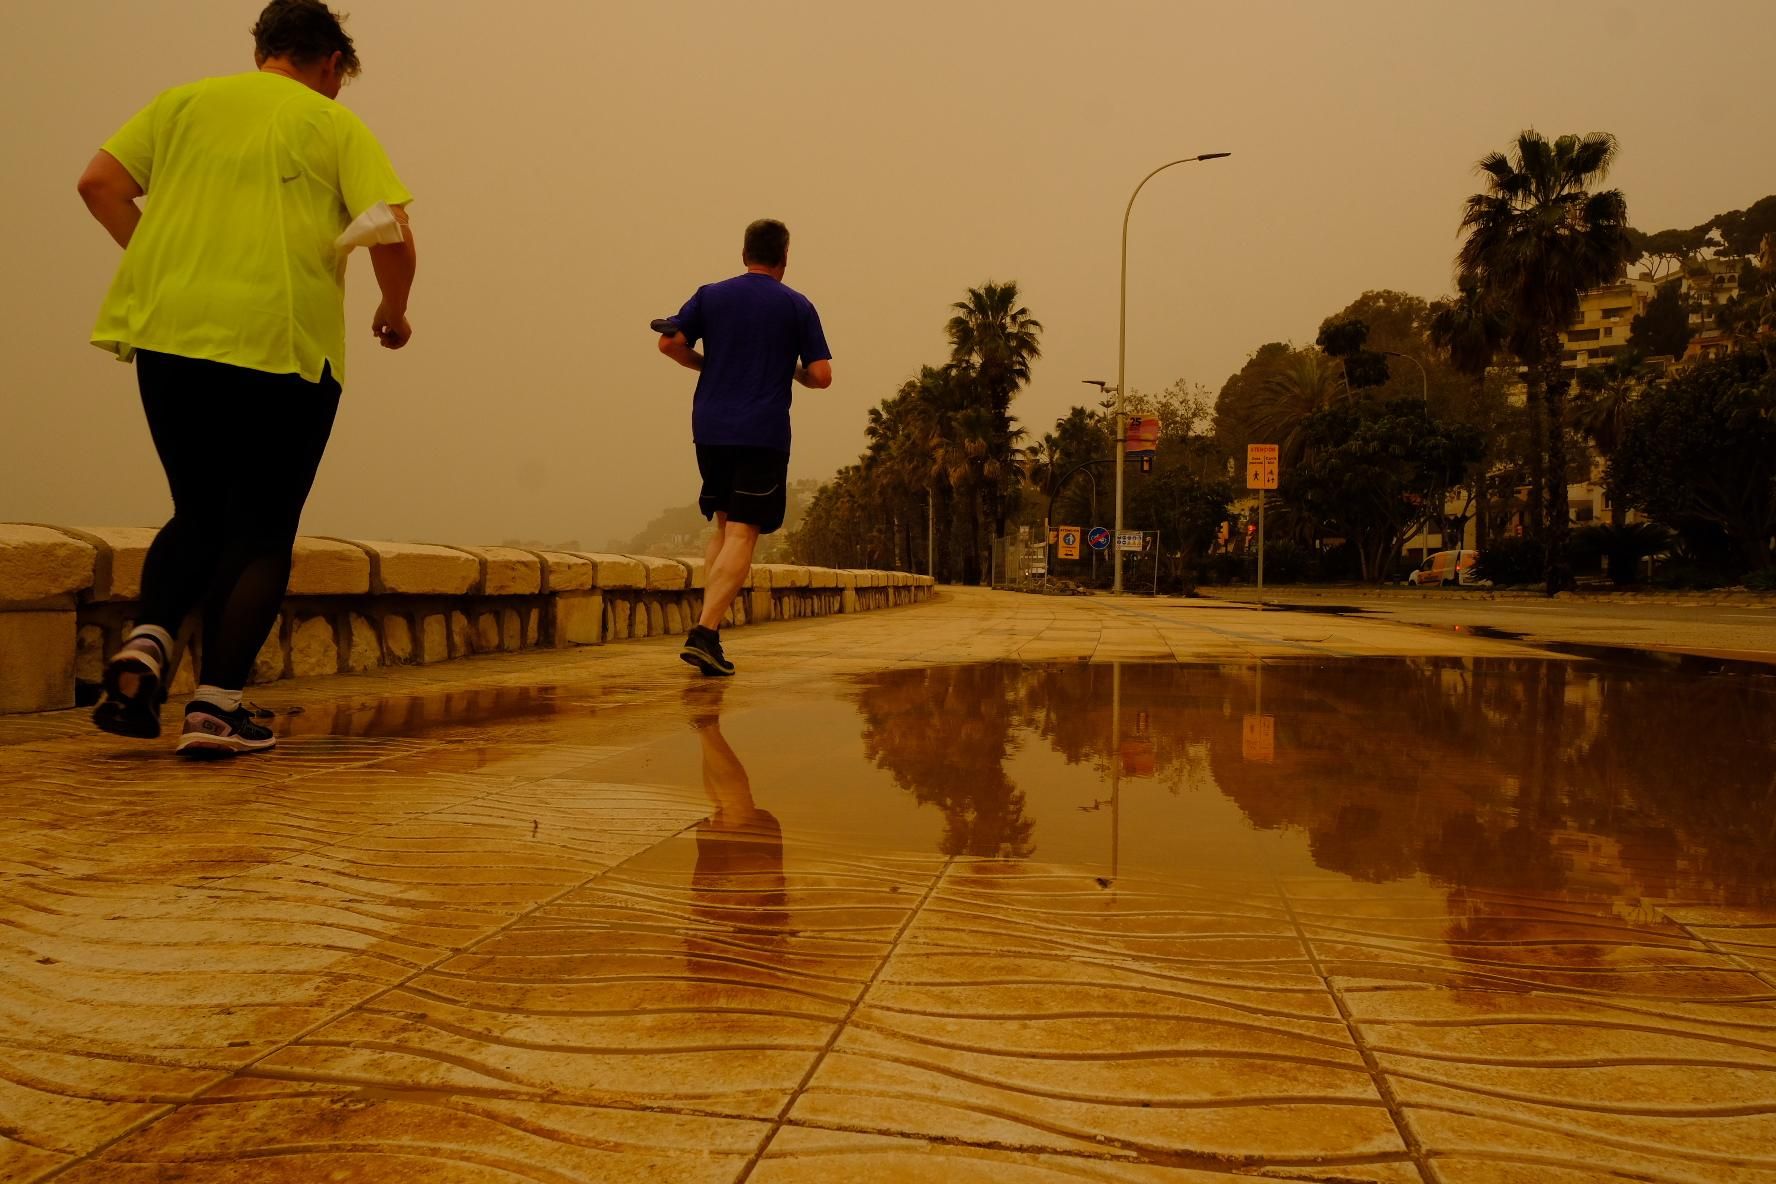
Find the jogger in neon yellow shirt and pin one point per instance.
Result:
(231, 302)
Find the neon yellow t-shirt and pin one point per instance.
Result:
(249, 179)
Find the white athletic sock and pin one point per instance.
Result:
(217, 697)
(155, 634)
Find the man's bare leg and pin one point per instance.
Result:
(713, 552)
(726, 572)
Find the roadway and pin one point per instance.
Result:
(1719, 630)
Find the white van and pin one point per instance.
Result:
(1446, 569)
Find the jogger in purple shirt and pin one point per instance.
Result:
(759, 336)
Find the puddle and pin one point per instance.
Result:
(1324, 610)
(1640, 774)
(1635, 657)
(1498, 774)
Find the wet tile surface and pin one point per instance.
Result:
(921, 896)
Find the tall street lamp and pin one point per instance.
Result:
(1122, 357)
(1424, 383)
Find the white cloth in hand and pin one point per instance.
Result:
(376, 225)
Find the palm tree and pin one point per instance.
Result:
(1042, 463)
(994, 340)
(1606, 400)
(938, 401)
(896, 463)
(1301, 383)
(1537, 237)
(1472, 330)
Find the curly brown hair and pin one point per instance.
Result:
(305, 31)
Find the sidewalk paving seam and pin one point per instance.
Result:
(844, 1023)
(1383, 1088)
(1762, 976)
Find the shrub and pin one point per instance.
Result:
(1221, 568)
(1625, 546)
(1340, 562)
(1689, 576)
(1762, 581)
(1285, 562)
(1511, 561)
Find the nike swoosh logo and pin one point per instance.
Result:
(287, 180)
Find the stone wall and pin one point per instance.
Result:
(67, 597)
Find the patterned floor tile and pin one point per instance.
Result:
(252, 1133)
(801, 1155)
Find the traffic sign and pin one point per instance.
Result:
(1131, 540)
(1098, 538)
(1069, 545)
(1262, 463)
(1143, 435)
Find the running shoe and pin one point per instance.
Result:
(703, 649)
(135, 688)
(212, 732)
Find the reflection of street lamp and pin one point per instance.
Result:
(1122, 354)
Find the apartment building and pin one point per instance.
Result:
(1600, 330)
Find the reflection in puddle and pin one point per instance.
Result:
(1505, 775)
(1651, 781)
(738, 883)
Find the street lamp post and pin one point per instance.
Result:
(1424, 383)
(1122, 358)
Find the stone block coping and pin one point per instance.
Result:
(565, 573)
(328, 567)
(615, 571)
(663, 575)
(40, 562)
(67, 594)
(507, 571)
(117, 574)
(421, 569)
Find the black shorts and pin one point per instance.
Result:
(749, 485)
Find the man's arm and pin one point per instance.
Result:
(815, 376)
(110, 194)
(680, 351)
(395, 264)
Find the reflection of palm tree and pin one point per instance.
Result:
(738, 887)
(1493, 776)
(944, 733)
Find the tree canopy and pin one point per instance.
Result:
(1701, 447)
(1664, 328)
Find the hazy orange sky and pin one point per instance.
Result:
(581, 166)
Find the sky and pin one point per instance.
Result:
(581, 166)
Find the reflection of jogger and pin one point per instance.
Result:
(760, 335)
(738, 882)
(231, 302)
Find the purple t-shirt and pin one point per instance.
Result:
(756, 329)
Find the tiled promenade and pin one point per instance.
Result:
(581, 917)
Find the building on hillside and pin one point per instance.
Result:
(1708, 284)
(1600, 330)
(1598, 333)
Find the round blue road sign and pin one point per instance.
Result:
(1098, 538)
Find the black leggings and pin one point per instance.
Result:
(240, 448)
